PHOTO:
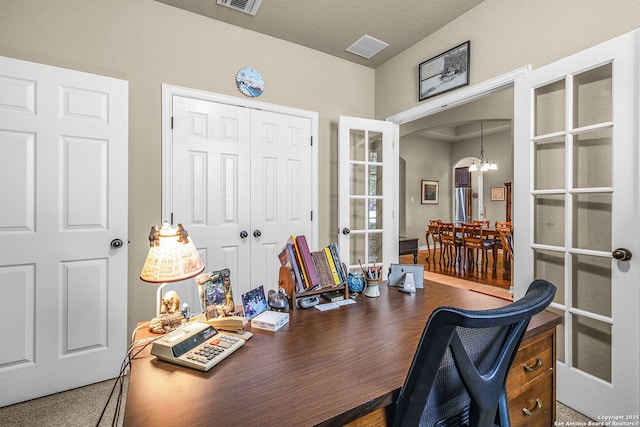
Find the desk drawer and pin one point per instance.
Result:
(532, 360)
(533, 406)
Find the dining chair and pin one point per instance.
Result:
(474, 242)
(506, 253)
(449, 241)
(483, 223)
(432, 230)
(506, 238)
(502, 224)
(458, 373)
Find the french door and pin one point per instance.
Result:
(576, 194)
(367, 199)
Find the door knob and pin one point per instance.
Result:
(346, 231)
(257, 233)
(116, 244)
(622, 254)
(243, 234)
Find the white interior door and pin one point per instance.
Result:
(63, 182)
(367, 200)
(242, 183)
(281, 191)
(211, 188)
(576, 193)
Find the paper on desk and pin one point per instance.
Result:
(334, 305)
(327, 306)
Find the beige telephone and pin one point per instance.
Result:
(228, 323)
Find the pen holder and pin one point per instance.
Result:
(372, 290)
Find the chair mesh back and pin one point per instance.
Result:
(459, 369)
(449, 398)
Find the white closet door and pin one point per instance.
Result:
(280, 189)
(211, 188)
(241, 185)
(63, 186)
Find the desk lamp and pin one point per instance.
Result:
(172, 257)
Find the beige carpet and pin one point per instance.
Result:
(79, 407)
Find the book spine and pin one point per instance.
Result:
(332, 266)
(307, 262)
(296, 269)
(335, 253)
(322, 266)
(298, 258)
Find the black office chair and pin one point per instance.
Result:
(458, 373)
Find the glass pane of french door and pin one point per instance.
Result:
(366, 196)
(572, 208)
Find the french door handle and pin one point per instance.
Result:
(257, 233)
(622, 254)
(243, 234)
(346, 231)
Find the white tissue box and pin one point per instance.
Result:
(270, 320)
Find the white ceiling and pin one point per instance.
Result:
(331, 26)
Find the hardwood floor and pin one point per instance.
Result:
(500, 276)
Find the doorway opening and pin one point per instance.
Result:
(431, 147)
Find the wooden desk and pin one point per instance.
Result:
(322, 368)
(409, 245)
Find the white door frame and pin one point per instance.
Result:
(459, 97)
(168, 91)
(445, 102)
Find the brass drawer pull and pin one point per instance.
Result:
(538, 365)
(528, 413)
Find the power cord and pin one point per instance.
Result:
(140, 344)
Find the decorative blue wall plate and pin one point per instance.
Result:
(250, 82)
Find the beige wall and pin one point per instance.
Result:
(505, 35)
(148, 43)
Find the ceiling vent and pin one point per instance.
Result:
(367, 46)
(247, 6)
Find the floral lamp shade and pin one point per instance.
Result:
(172, 256)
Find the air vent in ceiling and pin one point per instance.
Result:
(247, 6)
(367, 46)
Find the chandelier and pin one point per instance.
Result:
(483, 164)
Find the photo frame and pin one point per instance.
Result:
(444, 72)
(429, 192)
(216, 293)
(497, 193)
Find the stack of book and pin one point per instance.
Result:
(312, 270)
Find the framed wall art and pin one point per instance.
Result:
(497, 193)
(445, 72)
(429, 192)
